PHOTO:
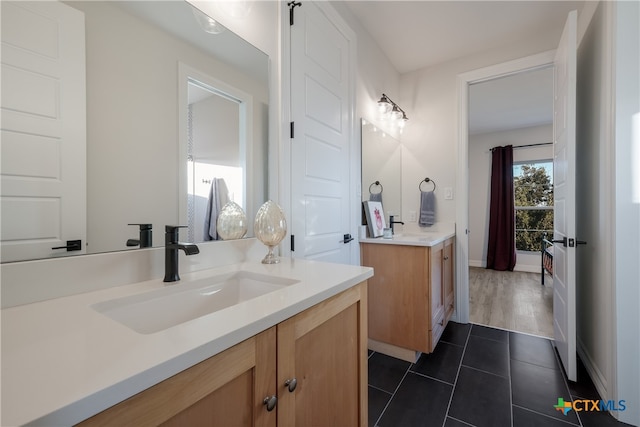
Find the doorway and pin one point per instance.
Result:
(215, 140)
(516, 110)
(465, 81)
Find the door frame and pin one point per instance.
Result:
(527, 63)
(186, 74)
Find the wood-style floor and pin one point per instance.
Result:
(511, 300)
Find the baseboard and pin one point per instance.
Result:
(528, 268)
(599, 381)
(522, 267)
(410, 356)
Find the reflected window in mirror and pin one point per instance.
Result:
(218, 144)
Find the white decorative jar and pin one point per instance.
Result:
(232, 222)
(270, 227)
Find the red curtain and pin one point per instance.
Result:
(501, 251)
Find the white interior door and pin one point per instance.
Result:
(320, 151)
(43, 196)
(564, 170)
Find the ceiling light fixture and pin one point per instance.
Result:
(391, 111)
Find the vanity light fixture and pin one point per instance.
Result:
(391, 111)
(384, 105)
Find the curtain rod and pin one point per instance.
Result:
(528, 145)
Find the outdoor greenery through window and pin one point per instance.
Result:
(533, 188)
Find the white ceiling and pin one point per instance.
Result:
(513, 102)
(420, 34)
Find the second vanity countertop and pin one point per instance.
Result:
(417, 237)
(62, 361)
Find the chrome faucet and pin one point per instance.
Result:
(171, 248)
(391, 222)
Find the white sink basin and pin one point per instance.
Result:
(172, 305)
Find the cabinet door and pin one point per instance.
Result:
(447, 279)
(398, 295)
(225, 390)
(325, 350)
(437, 294)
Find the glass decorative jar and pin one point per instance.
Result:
(232, 222)
(270, 228)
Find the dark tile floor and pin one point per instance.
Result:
(479, 376)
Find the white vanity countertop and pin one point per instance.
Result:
(62, 361)
(418, 237)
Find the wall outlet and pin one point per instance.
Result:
(412, 216)
(448, 193)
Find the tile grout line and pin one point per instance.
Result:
(564, 378)
(392, 395)
(485, 372)
(545, 415)
(509, 374)
(431, 378)
(455, 382)
(460, 421)
(379, 389)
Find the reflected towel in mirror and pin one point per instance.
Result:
(218, 197)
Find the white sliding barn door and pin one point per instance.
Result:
(321, 108)
(43, 124)
(564, 179)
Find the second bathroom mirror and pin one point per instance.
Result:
(381, 162)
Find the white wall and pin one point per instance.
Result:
(480, 184)
(375, 74)
(216, 131)
(594, 189)
(430, 99)
(609, 220)
(627, 206)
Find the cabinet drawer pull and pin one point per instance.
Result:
(441, 323)
(270, 402)
(291, 384)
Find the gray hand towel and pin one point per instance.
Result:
(427, 208)
(375, 197)
(218, 197)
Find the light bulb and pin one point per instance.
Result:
(384, 106)
(396, 114)
(207, 23)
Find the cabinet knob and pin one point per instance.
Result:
(270, 402)
(441, 323)
(446, 258)
(291, 384)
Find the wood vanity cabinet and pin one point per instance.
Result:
(323, 348)
(411, 293)
(448, 272)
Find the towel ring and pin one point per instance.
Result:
(378, 184)
(427, 180)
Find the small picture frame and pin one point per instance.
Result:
(375, 218)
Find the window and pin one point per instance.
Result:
(533, 188)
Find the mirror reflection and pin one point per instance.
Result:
(381, 168)
(169, 110)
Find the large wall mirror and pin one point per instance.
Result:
(171, 109)
(381, 168)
